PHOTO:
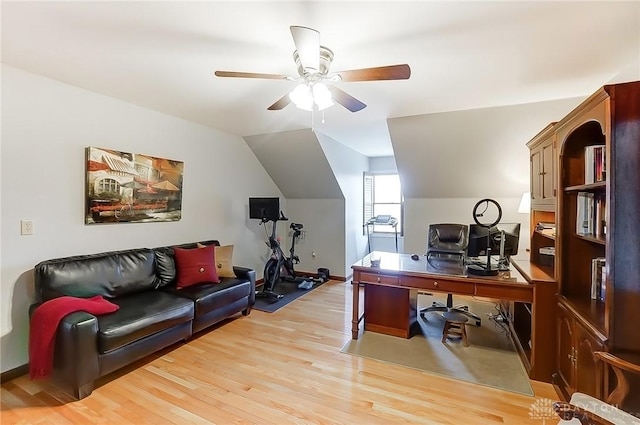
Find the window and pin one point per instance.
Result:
(108, 186)
(383, 196)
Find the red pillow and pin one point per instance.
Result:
(195, 266)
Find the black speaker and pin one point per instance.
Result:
(323, 274)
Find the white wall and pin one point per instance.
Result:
(464, 154)
(296, 163)
(324, 227)
(383, 164)
(348, 167)
(46, 126)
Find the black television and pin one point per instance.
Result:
(479, 243)
(265, 209)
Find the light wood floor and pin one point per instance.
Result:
(279, 368)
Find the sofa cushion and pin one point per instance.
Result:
(141, 315)
(110, 274)
(209, 296)
(223, 259)
(195, 266)
(165, 261)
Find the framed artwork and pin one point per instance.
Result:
(124, 187)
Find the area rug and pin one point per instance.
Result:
(490, 359)
(289, 290)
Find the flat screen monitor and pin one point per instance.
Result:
(478, 241)
(267, 209)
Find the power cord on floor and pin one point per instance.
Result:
(500, 321)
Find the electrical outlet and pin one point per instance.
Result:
(26, 227)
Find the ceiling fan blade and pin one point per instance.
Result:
(391, 72)
(251, 75)
(280, 103)
(346, 100)
(307, 41)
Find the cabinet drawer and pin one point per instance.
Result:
(378, 278)
(437, 285)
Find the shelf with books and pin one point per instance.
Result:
(551, 235)
(598, 186)
(591, 214)
(594, 239)
(597, 249)
(543, 237)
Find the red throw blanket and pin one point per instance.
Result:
(44, 323)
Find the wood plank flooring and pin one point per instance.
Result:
(273, 368)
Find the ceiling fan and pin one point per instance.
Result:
(313, 62)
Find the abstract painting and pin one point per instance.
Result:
(124, 187)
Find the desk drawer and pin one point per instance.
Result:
(438, 285)
(379, 278)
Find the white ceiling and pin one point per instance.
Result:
(463, 55)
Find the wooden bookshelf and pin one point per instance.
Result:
(610, 117)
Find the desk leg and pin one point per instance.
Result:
(355, 320)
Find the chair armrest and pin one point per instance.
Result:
(616, 361)
(618, 365)
(250, 275)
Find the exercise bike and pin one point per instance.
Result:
(279, 266)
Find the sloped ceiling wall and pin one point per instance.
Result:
(296, 163)
(466, 154)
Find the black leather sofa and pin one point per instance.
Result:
(153, 313)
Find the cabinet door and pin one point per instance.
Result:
(565, 357)
(536, 181)
(547, 171)
(585, 345)
(543, 182)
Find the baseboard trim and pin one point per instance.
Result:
(311, 274)
(315, 275)
(14, 373)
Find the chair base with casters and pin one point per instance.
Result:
(462, 309)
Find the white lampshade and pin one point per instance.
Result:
(525, 203)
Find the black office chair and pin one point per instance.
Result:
(449, 242)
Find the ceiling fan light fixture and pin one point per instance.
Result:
(305, 95)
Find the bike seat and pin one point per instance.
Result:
(296, 226)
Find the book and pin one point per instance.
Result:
(599, 173)
(598, 278)
(548, 232)
(544, 225)
(585, 213)
(594, 163)
(600, 214)
(546, 228)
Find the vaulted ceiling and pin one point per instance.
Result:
(463, 55)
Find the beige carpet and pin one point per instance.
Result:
(489, 360)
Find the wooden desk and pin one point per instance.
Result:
(387, 302)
